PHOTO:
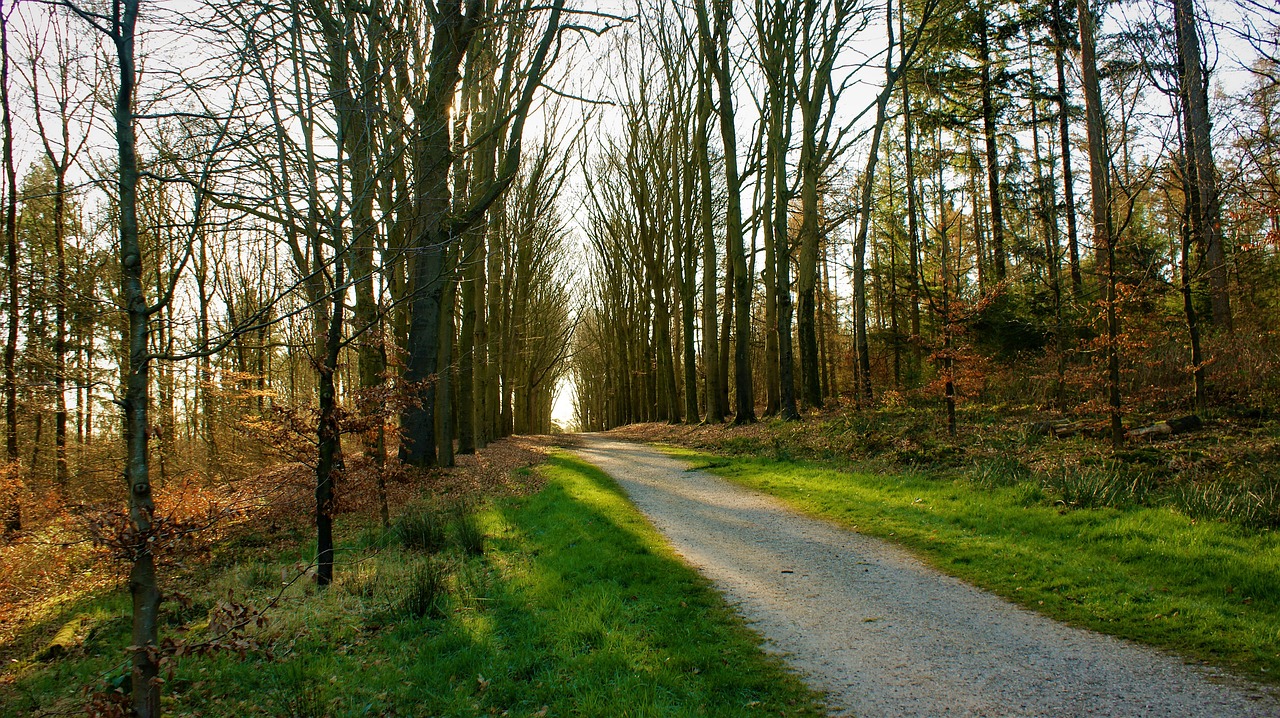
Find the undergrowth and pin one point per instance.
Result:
(565, 602)
(1228, 471)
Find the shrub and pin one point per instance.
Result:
(1097, 487)
(466, 528)
(422, 528)
(299, 694)
(425, 588)
(362, 581)
(258, 575)
(1254, 506)
(1003, 470)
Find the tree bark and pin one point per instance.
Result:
(1207, 219)
(993, 157)
(710, 345)
(717, 53)
(452, 31)
(11, 246)
(1101, 201)
(1059, 27)
(143, 586)
(913, 223)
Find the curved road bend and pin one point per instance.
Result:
(885, 635)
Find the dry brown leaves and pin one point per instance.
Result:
(57, 563)
(494, 470)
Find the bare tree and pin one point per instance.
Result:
(715, 43)
(1100, 184)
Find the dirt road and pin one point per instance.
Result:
(886, 635)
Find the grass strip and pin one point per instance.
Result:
(1205, 589)
(576, 608)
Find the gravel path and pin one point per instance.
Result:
(886, 635)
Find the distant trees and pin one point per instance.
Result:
(955, 238)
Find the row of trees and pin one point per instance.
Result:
(750, 204)
(322, 215)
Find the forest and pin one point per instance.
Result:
(274, 263)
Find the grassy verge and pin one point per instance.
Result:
(567, 606)
(1205, 589)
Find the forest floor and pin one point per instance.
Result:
(886, 635)
(521, 584)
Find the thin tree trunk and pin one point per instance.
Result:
(1046, 192)
(689, 219)
(993, 158)
(913, 223)
(710, 344)
(11, 243)
(61, 471)
(329, 462)
(948, 341)
(864, 223)
(1188, 305)
(142, 576)
(1059, 27)
(772, 262)
(726, 326)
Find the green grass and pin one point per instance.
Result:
(1206, 589)
(575, 608)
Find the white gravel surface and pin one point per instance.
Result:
(885, 635)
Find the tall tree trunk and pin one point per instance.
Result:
(787, 409)
(948, 341)
(710, 343)
(11, 244)
(431, 204)
(864, 221)
(490, 329)
(827, 331)
(913, 222)
(780, 366)
(806, 281)
(689, 219)
(1046, 192)
(1060, 28)
(770, 279)
(1101, 200)
(717, 52)
(993, 157)
(1207, 221)
(1188, 304)
(813, 92)
(142, 575)
(479, 96)
(894, 330)
(61, 471)
(204, 375)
